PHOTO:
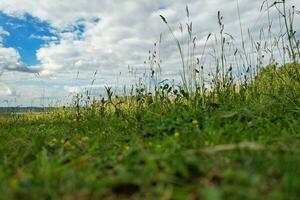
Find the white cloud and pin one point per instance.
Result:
(9, 58)
(126, 29)
(72, 90)
(3, 32)
(124, 33)
(5, 90)
(43, 37)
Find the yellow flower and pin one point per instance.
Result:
(195, 122)
(177, 135)
(126, 148)
(52, 142)
(14, 182)
(85, 139)
(67, 144)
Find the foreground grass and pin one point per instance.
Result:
(229, 145)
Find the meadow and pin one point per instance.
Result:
(225, 135)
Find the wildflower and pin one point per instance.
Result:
(14, 183)
(195, 122)
(67, 145)
(85, 139)
(52, 142)
(126, 148)
(177, 135)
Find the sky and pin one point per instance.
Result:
(52, 49)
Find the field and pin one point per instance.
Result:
(234, 145)
(229, 133)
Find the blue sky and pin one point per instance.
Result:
(52, 48)
(21, 35)
(28, 34)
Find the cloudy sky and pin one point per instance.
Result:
(51, 49)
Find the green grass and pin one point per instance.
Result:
(182, 142)
(223, 145)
